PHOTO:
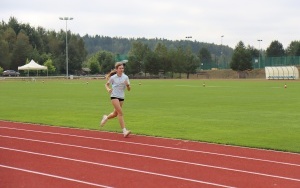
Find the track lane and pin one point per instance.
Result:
(92, 172)
(164, 148)
(181, 144)
(18, 177)
(186, 171)
(264, 167)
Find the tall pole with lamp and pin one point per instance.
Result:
(67, 58)
(259, 52)
(188, 37)
(222, 49)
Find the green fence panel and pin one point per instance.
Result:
(263, 61)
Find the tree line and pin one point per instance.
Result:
(19, 43)
(166, 60)
(154, 56)
(242, 58)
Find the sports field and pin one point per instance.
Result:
(252, 113)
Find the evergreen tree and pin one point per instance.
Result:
(4, 54)
(293, 49)
(152, 65)
(275, 49)
(241, 58)
(21, 51)
(138, 53)
(164, 62)
(205, 59)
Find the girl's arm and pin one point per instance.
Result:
(127, 85)
(107, 87)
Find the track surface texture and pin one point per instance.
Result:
(47, 156)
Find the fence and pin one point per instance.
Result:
(263, 62)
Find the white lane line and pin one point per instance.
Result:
(174, 139)
(157, 158)
(54, 176)
(158, 146)
(117, 167)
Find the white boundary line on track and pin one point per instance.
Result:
(117, 167)
(151, 145)
(158, 158)
(54, 176)
(90, 130)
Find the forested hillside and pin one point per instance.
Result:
(119, 45)
(19, 43)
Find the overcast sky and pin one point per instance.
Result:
(205, 21)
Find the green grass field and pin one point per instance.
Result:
(252, 113)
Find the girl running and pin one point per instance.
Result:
(116, 84)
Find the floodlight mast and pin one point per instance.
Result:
(259, 51)
(67, 58)
(221, 44)
(222, 49)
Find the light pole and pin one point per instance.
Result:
(188, 38)
(222, 49)
(259, 40)
(67, 59)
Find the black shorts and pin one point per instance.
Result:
(111, 98)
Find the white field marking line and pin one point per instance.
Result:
(188, 86)
(89, 130)
(157, 146)
(117, 167)
(53, 176)
(202, 86)
(157, 158)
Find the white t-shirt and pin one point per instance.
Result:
(118, 85)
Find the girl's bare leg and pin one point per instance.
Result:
(118, 109)
(112, 115)
(118, 112)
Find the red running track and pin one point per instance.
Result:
(47, 156)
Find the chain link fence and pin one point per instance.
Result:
(262, 62)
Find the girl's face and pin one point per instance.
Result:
(120, 69)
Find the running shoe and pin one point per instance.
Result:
(126, 133)
(104, 120)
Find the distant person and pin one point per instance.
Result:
(116, 84)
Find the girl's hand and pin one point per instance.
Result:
(109, 90)
(127, 85)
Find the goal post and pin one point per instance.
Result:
(282, 73)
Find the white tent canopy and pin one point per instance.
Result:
(32, 65)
